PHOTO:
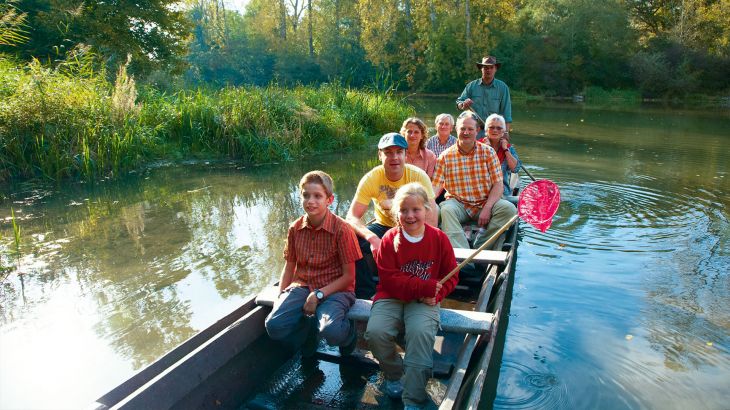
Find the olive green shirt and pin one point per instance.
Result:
(488, 99)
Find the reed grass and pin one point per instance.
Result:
(16, 231)
(60, 123)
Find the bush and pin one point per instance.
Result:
(83, 127)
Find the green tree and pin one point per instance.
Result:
(153, 32)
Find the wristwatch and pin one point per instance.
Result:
(319, 294)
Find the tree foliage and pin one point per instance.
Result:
(666, 48)
(153, 32)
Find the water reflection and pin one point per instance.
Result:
(147, 263)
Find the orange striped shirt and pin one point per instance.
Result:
(468, 177)
(320, 252)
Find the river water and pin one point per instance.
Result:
(622, 303)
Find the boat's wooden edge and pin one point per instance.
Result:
(467, 350)
(142, 377)
(452, 320)
(176, 382)
(474, 397)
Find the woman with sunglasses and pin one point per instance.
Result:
(498, 139)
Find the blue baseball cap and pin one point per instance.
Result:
(392, 139)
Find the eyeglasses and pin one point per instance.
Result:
(495, 128)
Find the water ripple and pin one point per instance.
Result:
(524, 388)
(609, 216)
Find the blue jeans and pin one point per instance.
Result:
(287, 321)
(365, 268)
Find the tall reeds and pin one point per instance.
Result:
(60, 123)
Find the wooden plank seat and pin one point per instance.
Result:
(483, 257)
(452, 320)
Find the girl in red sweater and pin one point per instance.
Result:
(412, 258)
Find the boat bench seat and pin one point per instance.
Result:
(483, 257)
(452, 320)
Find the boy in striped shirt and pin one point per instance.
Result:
(317, 283)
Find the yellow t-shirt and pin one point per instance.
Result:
(377, 187)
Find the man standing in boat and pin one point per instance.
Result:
(487, 95)
(379, 186)
(471, 174)
(317, 284)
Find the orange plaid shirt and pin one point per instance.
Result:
(468, 177)
(320, 253)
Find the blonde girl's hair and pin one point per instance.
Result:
(318, 177)
(413, 189)
(418, 123)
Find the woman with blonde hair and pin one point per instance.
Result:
(414, 130)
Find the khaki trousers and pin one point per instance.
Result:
(453, 214)
(388, 318)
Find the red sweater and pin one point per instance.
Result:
(413, 271)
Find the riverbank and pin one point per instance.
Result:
(70, 123)
(597, 97)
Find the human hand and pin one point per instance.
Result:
(310, 306)
(467, 103)
(428, 301)
(485, 216)
(438, 289)
(504, 142)
(374, 243)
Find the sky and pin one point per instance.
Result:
(239, 5)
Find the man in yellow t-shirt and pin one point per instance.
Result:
(379, 186)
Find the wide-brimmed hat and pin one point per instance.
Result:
(489, 60)
(392, 139)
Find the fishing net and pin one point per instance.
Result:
(539, 201)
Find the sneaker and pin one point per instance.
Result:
(393, 388)
(309, 348)
(349, 347)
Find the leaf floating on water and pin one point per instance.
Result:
(709, 344)
(629, 337)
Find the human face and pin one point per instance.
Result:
(467, 131)
(488, 72)
(315, 202)
(495, 131)
(412, 215)
(393, 159)
(443, 128)
(413, 135)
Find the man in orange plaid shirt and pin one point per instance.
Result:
(470, 173)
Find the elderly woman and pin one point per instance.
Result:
(415, 132)
(499, 140)
(443, 138)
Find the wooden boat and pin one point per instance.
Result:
(234, 364)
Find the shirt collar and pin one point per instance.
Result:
(481, 82)
(328, 224)
(421, 153)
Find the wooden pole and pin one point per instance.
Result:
(528, 173)
(481, 248)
